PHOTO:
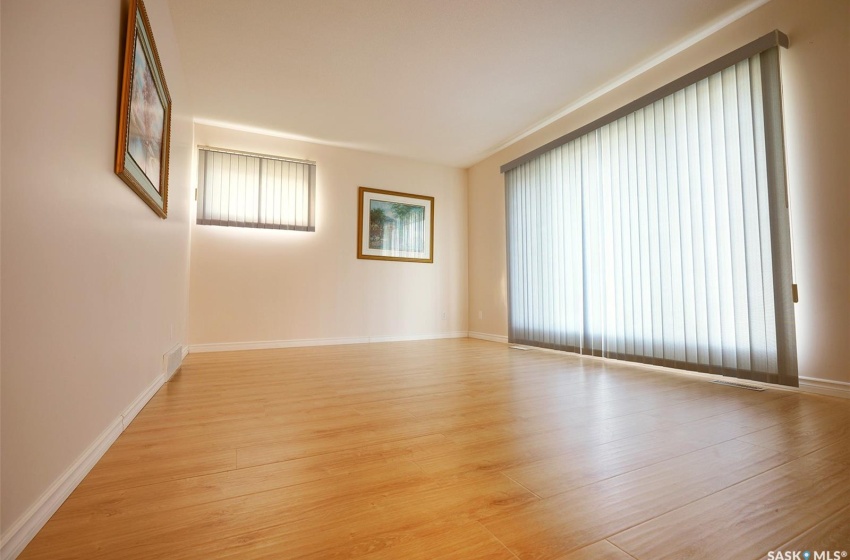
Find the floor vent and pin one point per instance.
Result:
(172, 361)
(739, 385)
(519, 348)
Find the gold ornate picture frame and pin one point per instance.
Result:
(144, 123)
(395, 226)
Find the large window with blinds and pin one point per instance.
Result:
(660, 233)
(257, 191)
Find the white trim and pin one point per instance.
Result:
(33, 519)
(825, 387)
(629, 75)
(487, 336)
(137, 405)
(30, 523)
(299, 343)
(456, 334)
(264, 345)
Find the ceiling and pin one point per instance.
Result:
(444, 81)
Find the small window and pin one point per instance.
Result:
(241, 189)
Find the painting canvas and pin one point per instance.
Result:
(145, 119)
(395, 226)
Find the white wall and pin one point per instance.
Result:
(816, 79)
(250, 285)
(94, 283)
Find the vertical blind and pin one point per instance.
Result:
(251, 190)
(662, 236)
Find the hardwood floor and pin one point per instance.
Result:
(459, 449)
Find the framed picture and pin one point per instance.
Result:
(394, 226)
(144, 124)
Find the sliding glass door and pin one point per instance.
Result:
(663, 235)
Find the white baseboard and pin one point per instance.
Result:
(298, 343)
(268, 344)
(137, 405)
(490, 337)
(30, 523)
(456, 334)
(825, 387)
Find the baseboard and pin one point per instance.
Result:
(825, 387)
(30, 523)
(456, 334)
(299, 343)
(137, 405)
(490, 337)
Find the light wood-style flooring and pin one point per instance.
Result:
(459, 449)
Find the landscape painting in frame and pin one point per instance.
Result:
(145, 118)
(395, 226)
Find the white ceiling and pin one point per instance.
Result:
(445, 81)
